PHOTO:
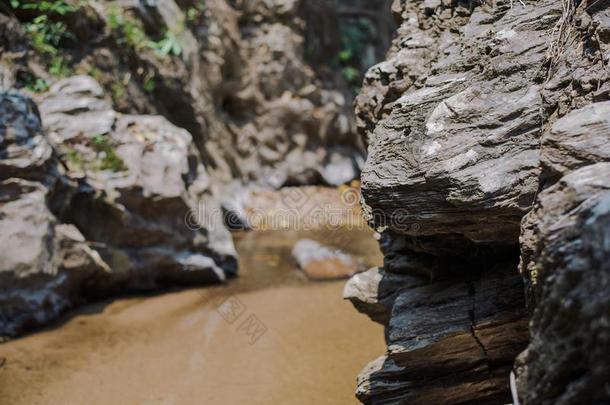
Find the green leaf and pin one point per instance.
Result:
(345, 55)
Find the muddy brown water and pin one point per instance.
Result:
(267, 337)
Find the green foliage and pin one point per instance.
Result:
(354, 37)
(168, 45)
(59, 67)
(131, 33)
(46, 34)
(350, 74)
(36, 84)
(57, 6)
(74, 158)
(149, 84)
(118, 91)
(345, 55)
(194, 13)
(96, 73)
(108, 158)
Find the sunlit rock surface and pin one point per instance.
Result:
(158, 116)
(463, 122)
(97, 206)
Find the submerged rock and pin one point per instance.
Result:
(320, 262)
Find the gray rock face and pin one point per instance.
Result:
(447, 342)
(142, 146)
(578, 139)
(374, 292)
(466, 137)
(565, 256)
(111, 217)
(239, 79)
(24, 150)
(241, 85)
(42, 262)
(145, 175)
(459, 147)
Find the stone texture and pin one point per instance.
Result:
(577, 140)
(42, 262)
(448, 342)
(459, 147)
(564, 258)
(143, 177)
(143, 150)
(241, 84)
(466, 137)
(97, 207)
(24, 150)
(374, 292)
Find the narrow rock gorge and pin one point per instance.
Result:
(487, 131)
(230, 154)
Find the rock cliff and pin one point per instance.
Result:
(235, 74)
(127, 125)
(487, 141)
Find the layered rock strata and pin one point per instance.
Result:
(469, 162)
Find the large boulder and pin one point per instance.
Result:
(43, 263)
(459, 147)
(143, 177)
(448, 341)
(106, 203)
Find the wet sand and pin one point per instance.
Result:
(293, 341)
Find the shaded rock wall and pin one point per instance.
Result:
(463, 122)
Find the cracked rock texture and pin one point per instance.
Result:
(487, 132)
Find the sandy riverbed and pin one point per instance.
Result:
(176, 348)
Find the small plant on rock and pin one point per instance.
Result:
(130, 31)
(47, 34)
(168, 45)
(106, 154)
(194, 13)
(36, 84)
(354, 38)
(57, 6)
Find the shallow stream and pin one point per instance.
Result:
(268, 337)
